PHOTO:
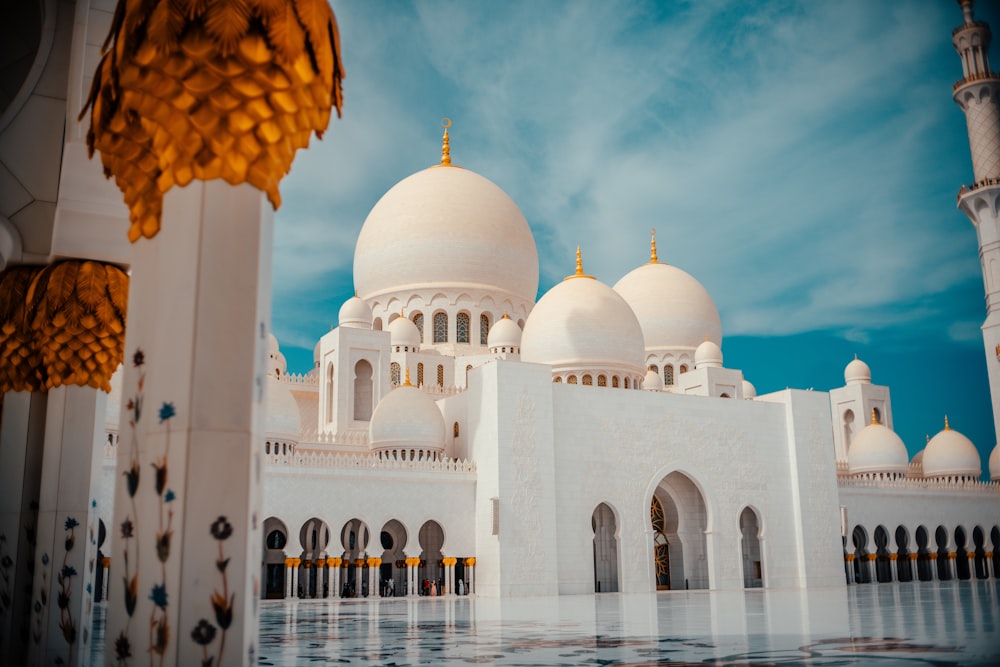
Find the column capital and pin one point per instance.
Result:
(334, 562)
(893, 556)
(849, 558)
(374, 562)
(289, 562)
(470, 562)
(412, 562)
(952, 555)
(449, 562)
(872, 556)
(106, 561)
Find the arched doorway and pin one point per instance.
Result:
(102, 535)
(962, 569)
(431, 573)
(354, 538)
(903, 562)
(995, 540)
(314, 536)
(978, 540)
(683, 516)
(883, 564)
(275, 539)
(393, 539)
(605, 549)
(943, 568)
(860, 539)
(753, 575)
(661, 548)
(925, 565)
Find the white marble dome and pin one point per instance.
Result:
(276, 364)
(877, 449)
(446, 229)
(857, 372)
(581, 324)
(407, 419)
(675, 311)
(505, 333)
(749, 391)
(355, 314)
(282, 422)
(951, 454)
(708, 355)
(652, 381)
(404, 333)
(995, 463)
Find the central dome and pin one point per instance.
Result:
(446, 229)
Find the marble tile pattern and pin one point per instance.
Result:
(930, 623)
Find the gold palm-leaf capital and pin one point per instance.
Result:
(193, 89)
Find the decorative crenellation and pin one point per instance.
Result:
(330, 461)
(908, 483)
(300, 379)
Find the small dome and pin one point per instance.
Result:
(407, 418)
(355, 314)
(276, 365)
(674, 310)
(951, 454)
(281, 419)
(876, 449)
(652, 381)
(857, 372)
(995, 463)
(505, 333)
(582, 324)
(403, 332)
(749, 391)
(708, 355)
(113, 409)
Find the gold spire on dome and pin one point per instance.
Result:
(505, 315)
(445, 145)
(579, 267)
(407, 382)
(946, 427)
(652, 248)
(874, 416)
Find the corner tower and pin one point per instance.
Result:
(978, 94)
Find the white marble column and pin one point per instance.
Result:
(187, 504)
(66, 553)
(470, 567)
(374, 589)
(288, 577)
(22, 430)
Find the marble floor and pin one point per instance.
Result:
(931, 623)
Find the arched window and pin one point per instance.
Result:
(394, 371)
(484, 328)
(626, 383)
(440, 327)
(654, 368)
(684, 368)
(329, 394)
(557, 380)
(588, 381)
(848, 428)
(614, 382)
(440, 377)
(462, 324)
(602, 381)
(456, 429)
(467, 369)
(420, 375)
(363, 391)
(377, 324)
(571, 379)
(668, 374)
(418, 321)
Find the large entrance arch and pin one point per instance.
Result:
(431, 573)
(275, 539)
(392, 540)
(679, 519)
(354, 538)
(605, 549)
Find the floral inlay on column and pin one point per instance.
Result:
(64, 578)
(222, 602)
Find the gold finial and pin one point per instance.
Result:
(927, 439)
(855, 356)
(652, 248)
(445, 145)
(407, 383)
(579, 267)
(355, 294)
(874, 416)
(946, 427)
(505, 315)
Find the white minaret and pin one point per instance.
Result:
(978, 93)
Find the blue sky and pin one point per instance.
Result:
(800, 159)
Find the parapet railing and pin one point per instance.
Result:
(330, 461)
(909, 483)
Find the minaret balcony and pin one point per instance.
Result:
(966, 26)
(978, 185)
(975, 78)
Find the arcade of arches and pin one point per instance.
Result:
(922, 554)
(358, 562)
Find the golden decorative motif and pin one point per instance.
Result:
(652, 247)
(445, 144)
(579, 267)
(449, 562)
(470, 562)
(946, 426)
(874, 416)
(374, 562)
(77, 311)
(20, 364)
(228, 89)
(661, 549)
(412, 562)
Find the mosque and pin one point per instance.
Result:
(456, 436)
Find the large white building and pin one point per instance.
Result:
(456, 432)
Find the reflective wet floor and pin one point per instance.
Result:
(930, 623)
